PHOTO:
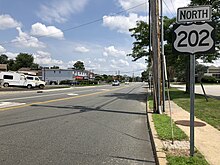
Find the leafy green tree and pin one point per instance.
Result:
(11, 65)
(105, 77)
(55, 67)
(3, 59)
(98, 78)
(110, 78)
(200, 70)
(145, 75)
(79, 65)
(24, 60)
(141, 36)
(35, 66)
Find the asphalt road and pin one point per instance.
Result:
(91, 125)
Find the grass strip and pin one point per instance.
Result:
(197, 159)
(206, 111)
(163, 128)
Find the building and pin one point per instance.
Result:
(83, 75)
(3, 67)
(28, 71)
(55, 76)
(213, 71)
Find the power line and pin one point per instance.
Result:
(79, 26)
(172, 5)
(169, 9)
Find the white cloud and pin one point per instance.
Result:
(6, 22)
(215, 63)
(112, 51)
(71, 63)
(25, 40)
(60, 11)
(81, 49)
(11, 55)
(122, 23)
(2, 49)
(119, 63)
(44, 58)
(39, 29)
(139, 65)
(127, 4)
(100, 60)
(169, 7)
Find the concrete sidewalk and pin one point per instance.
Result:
(207, 138)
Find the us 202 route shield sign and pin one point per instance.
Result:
(194, 38)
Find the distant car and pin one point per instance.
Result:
(126, 82)
(115, 83)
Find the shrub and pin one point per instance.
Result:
(208, 79)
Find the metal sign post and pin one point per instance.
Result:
(192, 98)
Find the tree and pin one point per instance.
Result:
(145, 75)
(55, 67)
(11, 65)
(200, 70)
(98, 78)
(35, 66)
(3, 59)
(140, 34)
(79, 65)
(24, 60)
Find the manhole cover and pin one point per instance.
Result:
(187, 123)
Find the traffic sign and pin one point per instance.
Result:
(194, 14)
(194, 38)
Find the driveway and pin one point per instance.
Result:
(211, 90)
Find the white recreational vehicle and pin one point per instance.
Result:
(19, 79)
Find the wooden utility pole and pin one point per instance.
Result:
(156, 54)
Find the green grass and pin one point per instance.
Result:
(197, 159)
(206, 111)
(163, 128)
(150, 101)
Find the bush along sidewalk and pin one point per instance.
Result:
(177, 153)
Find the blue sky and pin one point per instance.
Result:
(51, 31)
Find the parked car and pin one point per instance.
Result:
(115, 83)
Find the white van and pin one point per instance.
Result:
(19, 79)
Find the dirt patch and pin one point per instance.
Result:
(178, 152)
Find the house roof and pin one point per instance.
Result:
(24, 69)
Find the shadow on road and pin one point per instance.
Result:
(78, 110)
(130, 96)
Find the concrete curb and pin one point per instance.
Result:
(160, 153)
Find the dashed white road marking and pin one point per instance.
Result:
(9, 104)
(72, 94)
(104, 89)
